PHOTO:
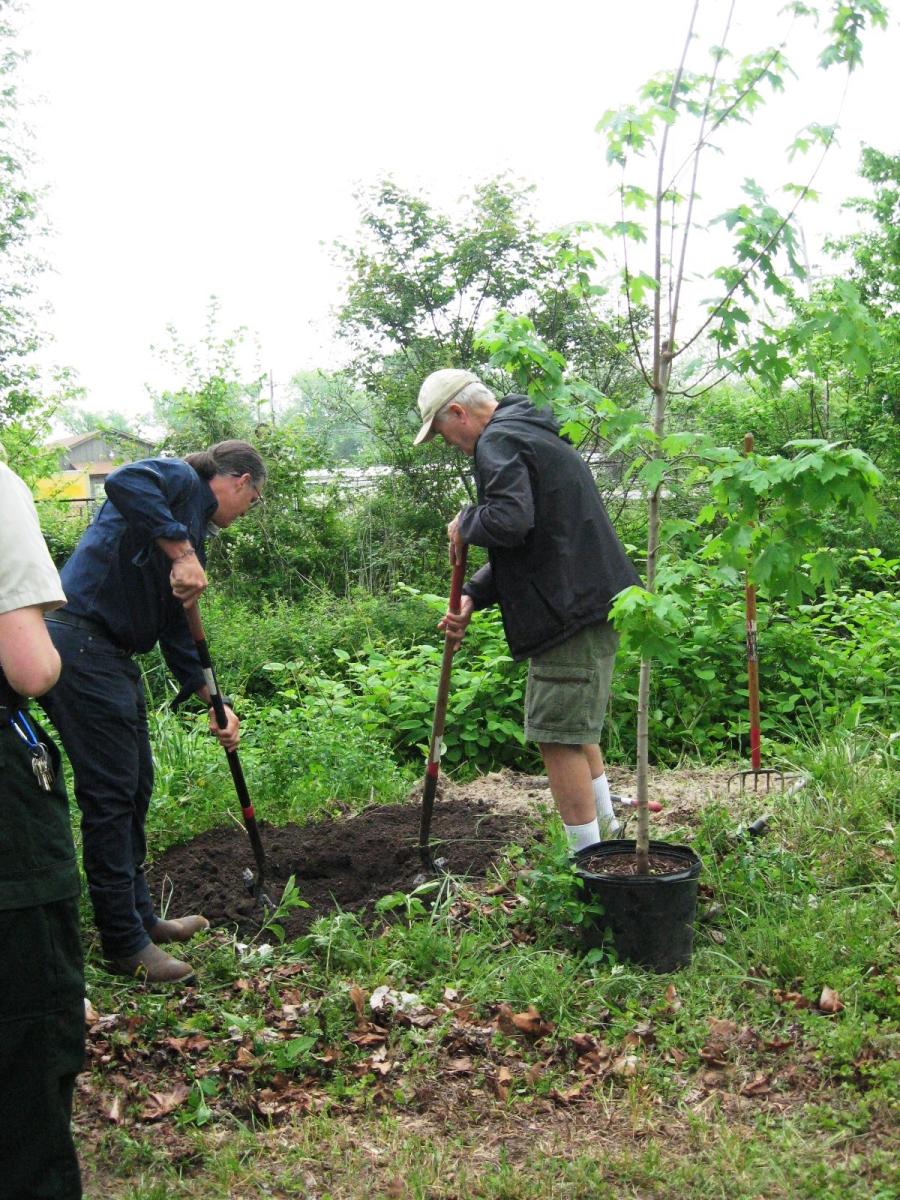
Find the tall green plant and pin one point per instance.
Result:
(705, 104)
(766, 509)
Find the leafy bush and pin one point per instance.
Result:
(392, 689)
(324, 676)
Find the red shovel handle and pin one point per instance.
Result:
(456, 581)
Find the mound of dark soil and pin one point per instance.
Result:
(338, 864)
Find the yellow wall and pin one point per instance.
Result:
(66, 485)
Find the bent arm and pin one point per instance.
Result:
(28, 657)
(505, 516)
(480, 588)
(144, 492)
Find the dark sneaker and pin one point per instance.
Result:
(179, 929)
(152, 965)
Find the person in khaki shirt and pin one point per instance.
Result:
(41, 975)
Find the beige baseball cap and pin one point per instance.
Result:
(438, 389)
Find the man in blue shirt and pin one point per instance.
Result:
(127, 582)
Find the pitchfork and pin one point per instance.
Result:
(756, 771)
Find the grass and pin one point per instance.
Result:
(297, 769)
(622, 1086)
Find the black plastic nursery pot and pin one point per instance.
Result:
(650, 918)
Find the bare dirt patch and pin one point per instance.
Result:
(350, 863)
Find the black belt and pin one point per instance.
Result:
(94, 627)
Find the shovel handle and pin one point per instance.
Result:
(456, 580)
(440, 709)
(429, 789)
(195, 625)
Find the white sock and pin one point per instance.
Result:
(605, 814)
(579, 836)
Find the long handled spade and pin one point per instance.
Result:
(440, 714)
(254, 886)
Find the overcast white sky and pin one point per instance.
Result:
(194, 147)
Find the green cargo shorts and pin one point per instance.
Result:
(568, 688)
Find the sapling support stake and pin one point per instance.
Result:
(433, 770)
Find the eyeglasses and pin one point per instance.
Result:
(257, 499)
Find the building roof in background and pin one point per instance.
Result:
(76, 439)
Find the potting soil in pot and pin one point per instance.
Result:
(626, 863)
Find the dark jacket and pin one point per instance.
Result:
(118, 576)
(555, 562)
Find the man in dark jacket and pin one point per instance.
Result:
(126, 584)
(554, 567)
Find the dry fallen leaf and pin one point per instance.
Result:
(759, 1085)
(499, 1083)
(374, 1038)
(534, 1072)
(530, 1022)
(673, 1000)
(583, 1042)
(180, 1045)
(162, 1103)
(777, 1043)
(358, 996)
(830, 1001)
(572, 1093)
(724, 1030)
(91, 1016)
(625, 1065)
(721, 1036)
(460, 1066)
(797, 999)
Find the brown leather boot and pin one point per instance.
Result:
(152, 965)
(179, 929)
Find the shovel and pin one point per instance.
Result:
(254, 886)
(440, 714)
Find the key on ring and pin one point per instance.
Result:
(40, 765)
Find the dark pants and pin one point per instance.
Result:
(100, 713)
(41, 1050)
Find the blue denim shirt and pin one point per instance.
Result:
(119, 577)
